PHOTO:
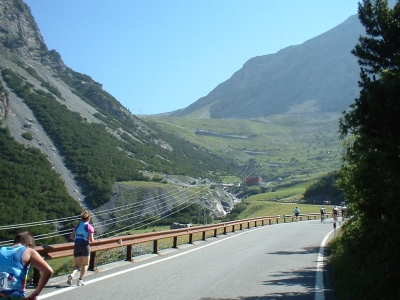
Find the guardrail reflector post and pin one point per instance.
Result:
(129, 253)
(92, 262)
(155, 246)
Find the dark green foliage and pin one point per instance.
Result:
(29, 190)
(250, 191)
(185, 214)
(27, 135)
(324, 189)
(157, 179)
(370, 174)
(235, 212)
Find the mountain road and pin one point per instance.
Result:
(265, 262)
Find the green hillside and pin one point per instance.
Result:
(285, 146)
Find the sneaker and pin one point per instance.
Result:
(80, 282)
(69, 281)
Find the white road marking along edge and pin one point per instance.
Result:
(319, 277)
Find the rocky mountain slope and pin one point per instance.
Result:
(319, 75)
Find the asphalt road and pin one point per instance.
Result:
(266, 262)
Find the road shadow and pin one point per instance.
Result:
(303, 277)
(280, 296)
(306, 250)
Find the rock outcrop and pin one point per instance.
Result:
(20, 33)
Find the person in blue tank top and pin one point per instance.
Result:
(15, 262)
(82, 234)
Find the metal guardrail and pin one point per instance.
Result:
(301, 216)
(66, 249)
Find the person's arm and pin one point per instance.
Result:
(46, 271)
(91, 237)
(91, 233)
(72, 235)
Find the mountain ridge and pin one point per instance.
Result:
(320, 74)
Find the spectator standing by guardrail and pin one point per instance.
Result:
(82, 234)
(15, 262)
(296, 212)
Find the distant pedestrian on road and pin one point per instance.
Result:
(322, 213)
(15, 262)
(296, 212)
(82, 234)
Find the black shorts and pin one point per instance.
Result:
(296, 214)
(81, 249)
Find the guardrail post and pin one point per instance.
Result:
(175, 242)
(215, 232)
(36, 276)
(224, 229)
(270, 221)
(204, 236)
(155, 246)
(241, 226)
(92, 262)
(262, 222)
(255, 223)
(129, 253)
(277, 220)
(191, 238)
(248, 225)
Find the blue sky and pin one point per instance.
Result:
(157, 56)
